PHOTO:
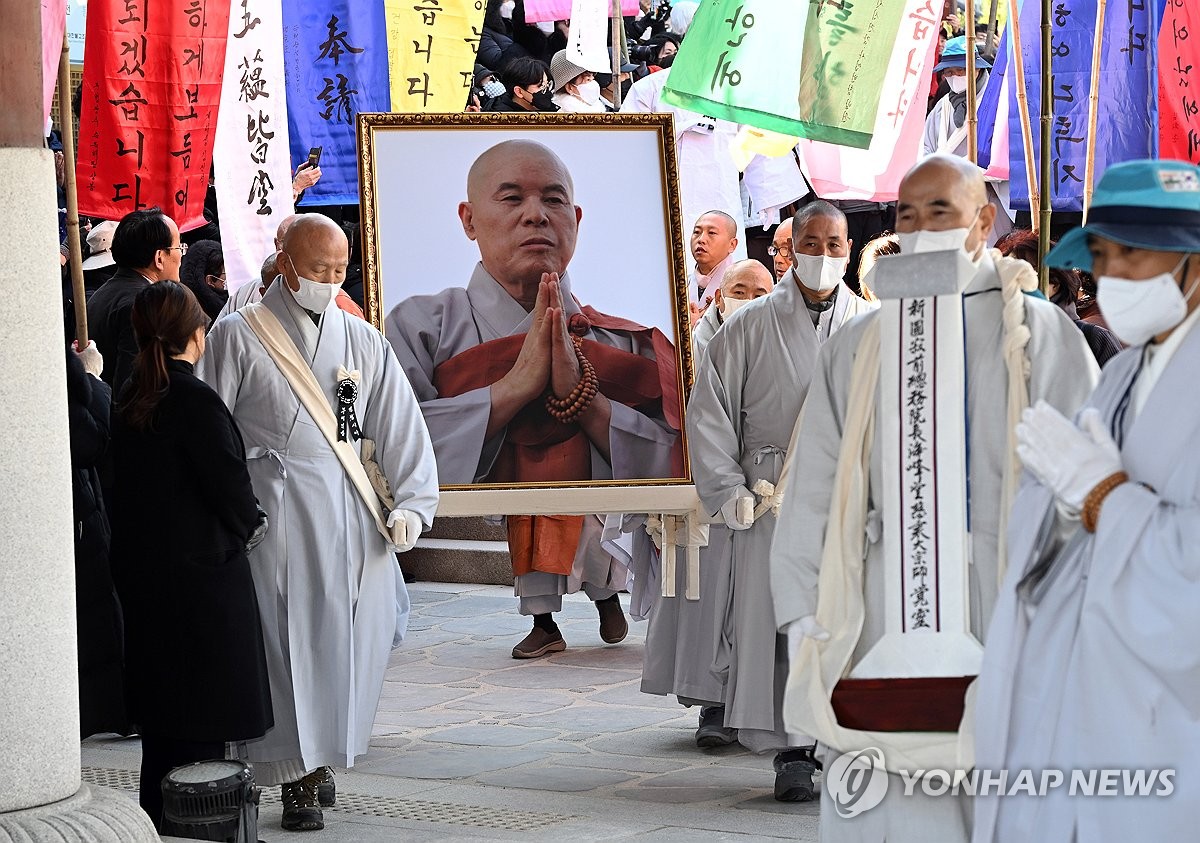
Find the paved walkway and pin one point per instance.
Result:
(472, 745)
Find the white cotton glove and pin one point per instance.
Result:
(738, 511)
(1069, 460)
(90, 357)
(798, 630)
(406, 529)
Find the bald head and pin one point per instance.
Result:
(945, 192)
(781, 243)
(714, 238)
(510, 154)
(284, 225)
(314, 247)
(744, 281)
(270, 270)
(521, 211)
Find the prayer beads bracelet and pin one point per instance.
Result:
(1090, 514)
(574, 405)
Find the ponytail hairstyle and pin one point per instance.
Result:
(165, 317)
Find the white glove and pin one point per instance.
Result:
(90, 357)
(798, 630)
(1069, 460)
(735, 511)
(406, 529)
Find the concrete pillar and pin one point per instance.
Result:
(42, 798)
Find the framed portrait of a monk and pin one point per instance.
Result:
(524, 271)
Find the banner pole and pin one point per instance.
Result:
(993, 28)
(618, 35)
(1047, 127)
(972, 93)
(1026, 125)
(1089, 177)
(66, 124)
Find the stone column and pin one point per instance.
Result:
(42, 797)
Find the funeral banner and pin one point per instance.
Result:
(812, 70)
(431, 48)
(151, 88)
(1127, 121)
(874, 174)
(549, 10)
(1179, 82)
(253, 162)
(336, 61)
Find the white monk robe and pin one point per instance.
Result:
(703, 288)
(1062, 372)
(332, 601)
(740, 419)
(1094, 664)
(704, 331)
(426, 331)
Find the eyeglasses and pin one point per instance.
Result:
(786, 251)
(182, 247)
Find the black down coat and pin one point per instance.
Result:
(182, 510)
(97, 612)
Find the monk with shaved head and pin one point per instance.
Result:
(713, 242)
(832, 555)
(742, 283)
(309, 387)
(521, 383)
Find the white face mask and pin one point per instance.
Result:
(915, 242)
(589, 92)
(492, 88)
(730, 306)
(957, 84)
(314, 296)
(1139, 310)
(819, 272)
(506, 8)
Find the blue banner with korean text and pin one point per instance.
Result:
(1127, 121)
(336, 61)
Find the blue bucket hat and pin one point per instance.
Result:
(954, 54)
(1146, 204)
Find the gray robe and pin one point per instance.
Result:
(1096, 667)
(748, 395)
(331, 600)
(1062, 372)
(426, 331)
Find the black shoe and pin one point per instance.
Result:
(613, 626)
(713, 732)
(539, 642)
(301, 810)
(794, 775)
(326, 788)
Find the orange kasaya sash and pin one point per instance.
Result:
(538, 448)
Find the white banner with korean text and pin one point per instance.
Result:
(252, 161)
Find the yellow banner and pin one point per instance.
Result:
(431, 52)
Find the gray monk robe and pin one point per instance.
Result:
(740, 419)
(331, 599)
(428, 331)
(1062, 371)
(1094, 664)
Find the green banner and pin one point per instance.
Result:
(807, 68)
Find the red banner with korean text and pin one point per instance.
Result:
(1179, 82)
(148, 117)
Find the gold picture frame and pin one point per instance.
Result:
(405, 149)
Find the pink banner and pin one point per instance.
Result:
(54, 24)
(874, 174)
(545, 10)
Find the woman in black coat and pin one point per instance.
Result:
(97, 612)
(183, 511)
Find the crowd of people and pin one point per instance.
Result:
(302, 451)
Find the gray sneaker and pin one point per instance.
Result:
(713, 732)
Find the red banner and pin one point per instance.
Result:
(1179, 82)
(151, 87)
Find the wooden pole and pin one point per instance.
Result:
(618, 47)
(972, 94)
(1047, 130)
(993, 28)
(1089, 177)
(66, 124)
(1026, 124)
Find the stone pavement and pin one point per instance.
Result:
(472, 745)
